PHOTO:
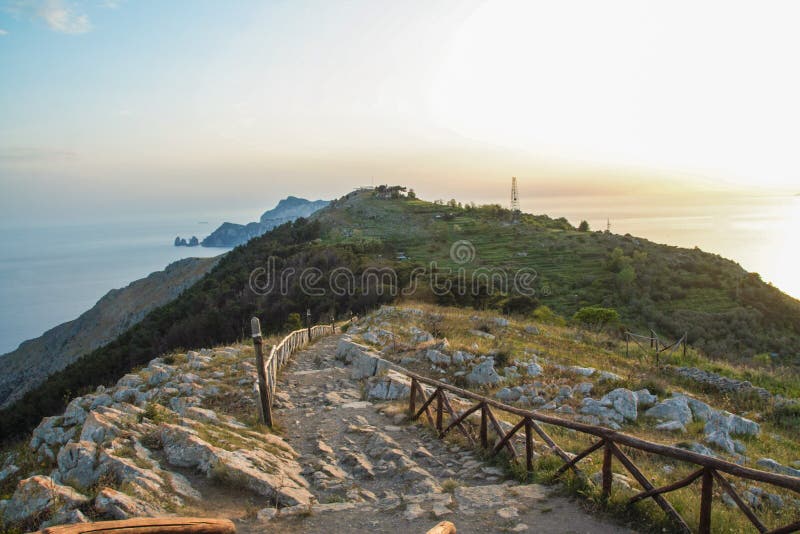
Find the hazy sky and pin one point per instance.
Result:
(109, 106)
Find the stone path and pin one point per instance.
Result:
(371, 471)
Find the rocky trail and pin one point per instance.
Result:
(370, 470)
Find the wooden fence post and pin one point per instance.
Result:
(706, 495)
(528, 445)
(263, 391)
(608, 474)
(439, 410)
(484, 426)
(412, 398)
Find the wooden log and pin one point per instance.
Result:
(706, 497)
(746, 510)
(580, 456)
(608, 473)
(445, 527)
(647, 485)
(148, 525)
(666, 489)
(264, 397)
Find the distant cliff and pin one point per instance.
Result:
(288, 209)
(120, 309)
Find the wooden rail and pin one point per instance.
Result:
(437, 407)
(278, 356)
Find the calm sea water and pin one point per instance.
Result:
(49, 275)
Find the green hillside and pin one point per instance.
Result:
(726, 311)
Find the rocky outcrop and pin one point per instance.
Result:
(124, 443)
(116, 312)
(287, 210)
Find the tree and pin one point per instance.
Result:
(411, 194)
(293, 322)
(596, 318)
(583, 227)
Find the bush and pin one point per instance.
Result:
(293, 322)
(595, 317)
(545, 315)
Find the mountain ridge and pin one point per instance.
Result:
(115, 312)
(288, 209)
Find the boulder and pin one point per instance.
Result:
(508, 395)
(438, 357)
(419, 336)
(772, 465)
(608, 376)
(596, 408)
(533, 369)
(731, 424)
(584, 388)
(117, 505)
(622, 401)
(722, 440)
(583, 371)
(484, 373)
(38, 495)
(671, 426)
(672, 409)
(77, 464)
(74, 413)
(530, 329)
(645, 399)
(393, 386)
(50, 432)
(481, 333)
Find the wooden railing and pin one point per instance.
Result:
(278, 356)
(709, 470)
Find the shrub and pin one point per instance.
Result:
(595, 317)
(293, 322)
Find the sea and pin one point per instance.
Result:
(50, 274)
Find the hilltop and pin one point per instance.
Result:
(728, 313)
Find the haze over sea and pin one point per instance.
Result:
(52, 274)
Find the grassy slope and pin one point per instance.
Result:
(725, 310)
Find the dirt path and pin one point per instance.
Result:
(371, 471)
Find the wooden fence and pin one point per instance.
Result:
(709, 470)
(278, 356)
(657, 345)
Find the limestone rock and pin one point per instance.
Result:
(117, 505)
(39, 494)
(484, 373)
(672, 409)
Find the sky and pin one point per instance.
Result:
(111, 107)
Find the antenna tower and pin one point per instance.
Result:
(514, 199)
